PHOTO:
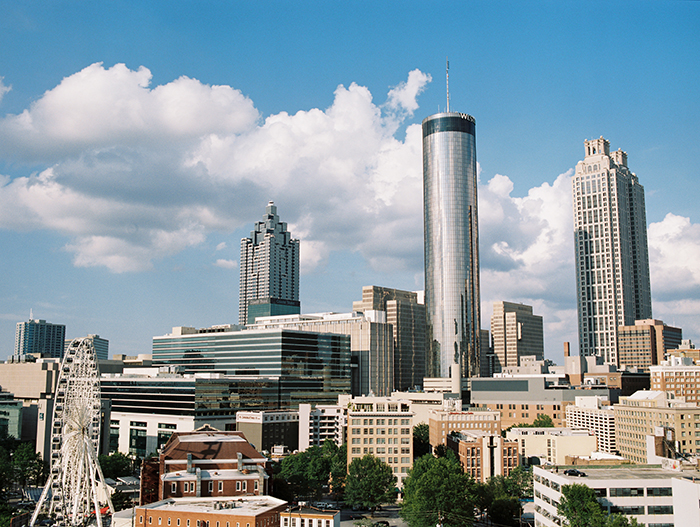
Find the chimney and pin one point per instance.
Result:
(567, 349)
(189, 463)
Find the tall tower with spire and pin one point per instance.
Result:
(451, 240)
(269, 283)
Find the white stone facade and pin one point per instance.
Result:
(612, 257)
(591, 414)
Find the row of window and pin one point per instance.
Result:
(190, 486)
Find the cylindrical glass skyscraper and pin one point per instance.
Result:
(451, 238)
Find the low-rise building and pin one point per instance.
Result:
(652, 495)
(592, 414)
(249, 511)
(679, 376)
(520, 399)
(303, 516)
(484, 455)
(444, 422)
(207, 463)
(650, 417)
(552, 445)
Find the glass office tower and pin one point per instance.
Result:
(451, 244)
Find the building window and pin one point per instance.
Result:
(173, 488)
(238, 486)
(211, 487)
(221, 486)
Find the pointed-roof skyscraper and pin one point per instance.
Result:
(269, 282)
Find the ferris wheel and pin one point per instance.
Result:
(70, 494)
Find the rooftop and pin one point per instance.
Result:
(245, 506)
(624, 472)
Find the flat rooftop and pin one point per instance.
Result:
(624, 472)
(244, 506)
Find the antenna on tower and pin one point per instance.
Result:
(447, 74)
(31, 314)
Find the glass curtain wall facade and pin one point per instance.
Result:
(311, 367)
(451, 244)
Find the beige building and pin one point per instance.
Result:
(443, 422)
(382, 427)
(552, 445)
(644, 344)
(678, 375)
(405, 312)
(484, 455)
(515, 332)
(644, 416)
(595, 415)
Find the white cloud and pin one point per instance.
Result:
(226, 264)
(674, 256)
(404, 96)
(3, 89)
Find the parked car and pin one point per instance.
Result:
(574, 472)
(381, 523)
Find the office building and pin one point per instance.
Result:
(484, 455)
(654, 423)
(612, 257)
(451, 238)
(521, 399)
(39, 338)
(599, 419)
(679, 376)
(269, 281)
(100, 345)
(442, 423)
(515, 332)
(371, 344)
(265, 429)
(552, 445)
(644, 344)
(383, 427)
(10, 416)
(686, 349)
(653, 496)
(406, 315)
(310, 367)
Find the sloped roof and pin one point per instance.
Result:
(208, 443)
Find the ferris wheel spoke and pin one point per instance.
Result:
(71, 493)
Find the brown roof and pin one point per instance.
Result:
(208, 443)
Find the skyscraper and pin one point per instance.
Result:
(612, 257)
(451, 245)
(39, 337)
(269, 270)
(407, 318)
(516, 332)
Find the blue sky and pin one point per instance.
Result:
(139, 141)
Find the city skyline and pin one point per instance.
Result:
(138, 144)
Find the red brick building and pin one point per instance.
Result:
(208, 463)
(248, 511)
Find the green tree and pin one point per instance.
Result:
(421, 440)
(120, 501)
(505, 511)
(306, 472)
(438, 491)
(370, 482)
(339, 468)
(580, 507)
(27, 465)
(116, 465)
(519, 483)
(543, 421)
